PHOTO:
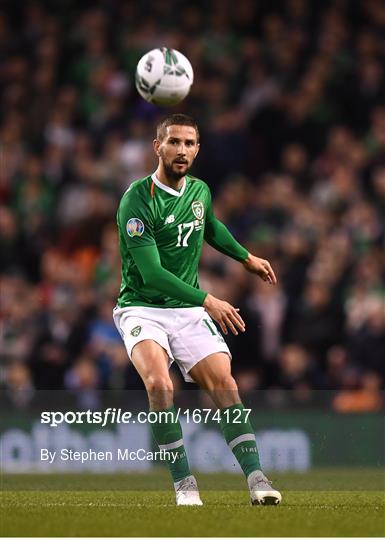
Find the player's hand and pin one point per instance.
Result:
(224, 314)
(261, 267)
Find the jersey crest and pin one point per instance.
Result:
(198, 209)
(135, 227)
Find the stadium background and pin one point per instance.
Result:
(289, 97)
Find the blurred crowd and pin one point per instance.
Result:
(290, 99)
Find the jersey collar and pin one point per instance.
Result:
(168, 189)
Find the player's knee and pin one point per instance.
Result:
(156, 384)
(224, 382)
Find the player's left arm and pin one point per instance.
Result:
(220, 238)
(261, 267)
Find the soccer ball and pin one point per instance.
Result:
(164, 76)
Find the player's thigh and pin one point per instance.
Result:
(146, 343)
(214, 372)
(150, 360)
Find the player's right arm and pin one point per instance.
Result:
(155, 276)
(136, 222)
(135, 218)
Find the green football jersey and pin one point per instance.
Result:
(152, 213)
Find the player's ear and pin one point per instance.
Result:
(197, 150)
(156, 145)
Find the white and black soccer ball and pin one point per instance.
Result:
(164, 76)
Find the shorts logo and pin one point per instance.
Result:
(134, 227)
(198, 209)
(136, 331)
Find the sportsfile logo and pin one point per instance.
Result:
(102, 418)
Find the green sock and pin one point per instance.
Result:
(240, 437)
(167, 432)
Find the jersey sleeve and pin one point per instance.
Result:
(220, 238)
(136, 220)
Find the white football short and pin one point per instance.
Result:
(187, 334)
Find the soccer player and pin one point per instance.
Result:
(163, 315)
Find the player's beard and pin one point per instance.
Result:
(172, 173)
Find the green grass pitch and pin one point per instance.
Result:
(330, 502)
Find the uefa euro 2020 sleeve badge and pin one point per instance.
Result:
(135, 227)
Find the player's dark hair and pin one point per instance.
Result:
(175, 120)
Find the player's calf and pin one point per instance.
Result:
(167, 432)
(240, 437)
